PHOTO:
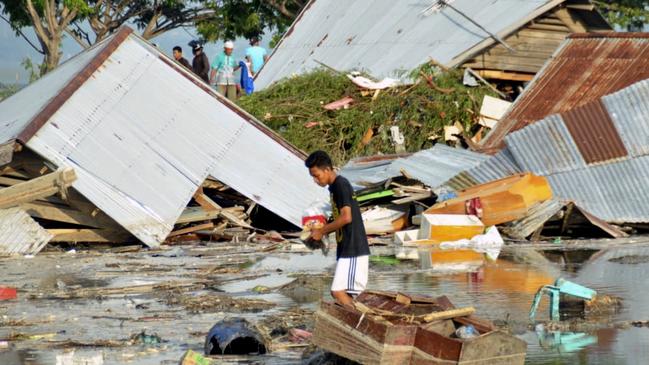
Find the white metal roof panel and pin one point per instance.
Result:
(19, 109)
(143, 133)
(20, 234)
(387, 38)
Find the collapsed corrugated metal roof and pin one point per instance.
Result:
(596, 155)
(19, 233)
(390, 38)
(433, 167)
(586, 67)
(497, 167)
(143, 133)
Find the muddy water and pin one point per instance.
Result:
(501, 291)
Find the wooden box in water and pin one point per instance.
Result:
(394, 331)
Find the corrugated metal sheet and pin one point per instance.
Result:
(434, 166)
(389, 38)
(496, 167)
(361, 174)
(629, 111)
(614, 190)
(594, 133)
(19, 109)
(584, 68)
(547, 148)
(142, 137)
(437, 165)
(20, 234)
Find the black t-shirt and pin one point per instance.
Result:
(351, 238)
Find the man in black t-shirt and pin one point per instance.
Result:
(352, 251)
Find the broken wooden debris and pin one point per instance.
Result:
(389, 331)
(40, 187)
(560, 218)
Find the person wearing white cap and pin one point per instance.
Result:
(223, 68)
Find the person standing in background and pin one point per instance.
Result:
(223, 68)
(178, 56)
(256, 55)
(200, 63)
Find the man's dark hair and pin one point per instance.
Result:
(254, 40)
(318, 159)
(177, 48)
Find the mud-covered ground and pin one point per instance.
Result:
(150, 306)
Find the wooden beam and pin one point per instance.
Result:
(77, 201)
(63, 214)
(40, 187)
(88, 235)
(210, 205)
(7, 152)
(191, 229)
(587, 7)
(197, 214)
(504, 75)
(205, 201)
(8, 181)
(575, 25)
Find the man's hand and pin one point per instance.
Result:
(316, 234)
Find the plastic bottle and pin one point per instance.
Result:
(466, 332)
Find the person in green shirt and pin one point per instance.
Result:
(222, 74)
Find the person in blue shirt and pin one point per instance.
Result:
(256, 55)
(223, 68)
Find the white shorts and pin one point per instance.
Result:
(351, 274)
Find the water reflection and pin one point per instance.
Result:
(503, 291)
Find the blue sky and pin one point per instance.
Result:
(15, 49)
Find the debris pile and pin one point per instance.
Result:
(326, 110)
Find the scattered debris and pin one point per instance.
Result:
(399, 328)
(209, 303)
(627, 260)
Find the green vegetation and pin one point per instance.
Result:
(293, 107)
(7, 90)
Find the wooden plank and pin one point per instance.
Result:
(550, 27)
(7, 152)
(37, 188)
(8, 181)
(546, 35)
(77, 201)
(191, 229)
(205, 201)
(449, 314)
(503, 75)
(88, 235)
(210, 205)
(573, 23)
(197, 214)
(60, 214)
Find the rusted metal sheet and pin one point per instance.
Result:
(20, 234)
(594, 133)
(547, 147)
(598, 175)
(583, 69)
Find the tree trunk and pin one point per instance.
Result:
(51, 59)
